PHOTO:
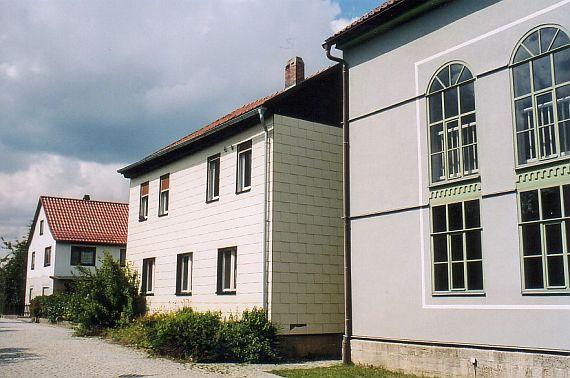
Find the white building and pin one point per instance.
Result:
(246, 212)
(67, 233)
(459, 218)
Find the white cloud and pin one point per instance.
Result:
(340, 23)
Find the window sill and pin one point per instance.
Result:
(148, 294)
(459, 294)
(245, 190)
(182, 294)
(545, 292)
(546, 162)
(216, 199)
(162, 215)
(451, 182)
(142, 219)
(226, 293)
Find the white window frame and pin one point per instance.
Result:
(149, 272)
(163, 196)
(143, 203)
(42, 227)
(44, 289)
(83, 252)
(213, 178)
(181, 272)
(47, 256)
(244, 152)
(225, 286)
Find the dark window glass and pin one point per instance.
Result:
(440, 248)
(437, 171)
(531, 239)
(531, 43)
(533, 273)
(524, 114)
(473, 245)
(439, 219)
(467, 92)
(553, 233)
(562, 66)
(437, 138)
(455, 72)
(455, 216)
(521, 75)
(521, 54)
(541, 73)
(466, 75)
(529, 206)
(566, 191)
(450, 101)
(546, 37)
(443, 76)
(456, 247)
(555, 265)
(550, 203)
(472, 214)
(560, 40)
(435, 108)
(458, 275)
(123, 257)
(475, 275)
(440, 279)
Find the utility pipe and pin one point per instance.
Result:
(346, 209)
(262, 111)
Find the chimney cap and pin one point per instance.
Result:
(86, 197)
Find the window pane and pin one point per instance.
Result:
(541, 74)
(435, 108)
(453, 148)
(450, 102)
(529, 205)
(550, 198)
(531, 240)
(227, 270)
(562, 66)
(555, 265)
(438, 215)
(439, 248)
(247, 180)
(473, 245)
(185, 272)
(560, 40)
(436, 138)
(531, 43)
(472, 214)
(566, 193)
(553, 234)
(456, 247)
(458, 275)
(467, 93)
(440, 278)
(437, 168)
(466, 75)
(521, 78)
(475, 275)
(525, 146)
(521, 55)
(455, 216)
(546, 37)
(533, 273)
(455, 72)
(443, 76)
(469, 132)
(469, 159)
(524, 114)
(563, 110)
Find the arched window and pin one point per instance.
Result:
(541, 87)
(452, 126)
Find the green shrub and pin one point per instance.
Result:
(106, 297)
(136, 333)
(38, 306)
(55, 308)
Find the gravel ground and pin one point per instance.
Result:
(41, 350)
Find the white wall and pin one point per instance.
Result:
(40, 276)
(389, 171)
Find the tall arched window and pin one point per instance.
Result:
(541, 87)
(452, 126)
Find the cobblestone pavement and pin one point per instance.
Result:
(41, 350)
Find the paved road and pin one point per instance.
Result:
(41, 350)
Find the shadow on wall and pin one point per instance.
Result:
(455, 10)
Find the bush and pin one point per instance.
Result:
(55, 308)
(135, 334)
(106, 297)
(38, 306)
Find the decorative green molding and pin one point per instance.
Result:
(557, 174)
(455, 193)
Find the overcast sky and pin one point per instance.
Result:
(87, 87)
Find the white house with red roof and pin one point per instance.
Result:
(69, 232)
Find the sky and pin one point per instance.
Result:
(87, 87)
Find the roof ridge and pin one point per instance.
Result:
(82, 200)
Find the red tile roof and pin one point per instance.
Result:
(86, 221)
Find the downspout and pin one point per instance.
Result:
(262, 111)
(346, 209)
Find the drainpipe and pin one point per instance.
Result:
(346, 209)
(262, 111)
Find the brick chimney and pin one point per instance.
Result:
(87, 197)
(294, 71)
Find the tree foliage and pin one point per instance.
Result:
(13, 276)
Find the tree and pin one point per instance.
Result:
(13, 276)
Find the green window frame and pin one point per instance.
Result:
(544, 237)
(540, 74)
(457, 256)
(452, 124)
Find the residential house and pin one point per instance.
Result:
(246, 212)
(67, 233)
(459, 186)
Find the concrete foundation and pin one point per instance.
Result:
(311, 346)
(447, 361)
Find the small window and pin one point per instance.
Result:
(244, 167)
(123, 257)
(213, 178)
(143, 206)
(227, 269)
(163, 195)
(33, 261)
(456, 248)
(41, 227)
(544, 226)
(83, 256)
(47, 256)
(148, 276)
(31, 295)
(184, 274)
(45, 291)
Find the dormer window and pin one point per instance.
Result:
(143, 206)
(163, 195)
